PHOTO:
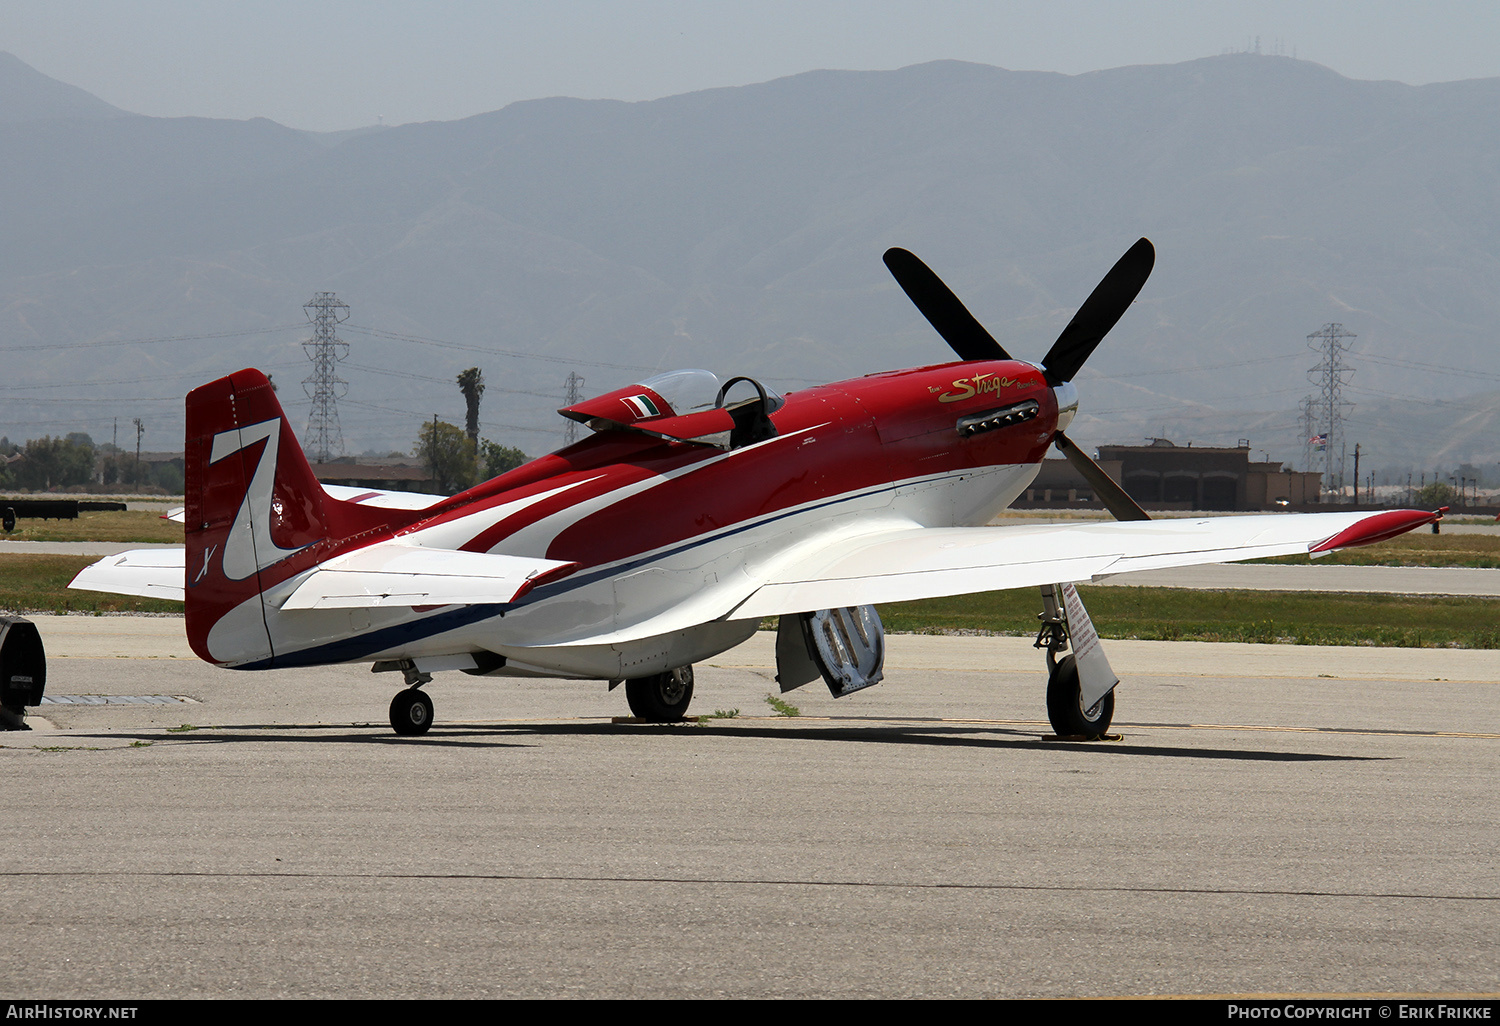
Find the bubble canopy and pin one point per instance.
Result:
(677, 393)
(686, 391)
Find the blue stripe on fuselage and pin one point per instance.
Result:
(348, 650)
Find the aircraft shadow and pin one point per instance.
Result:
(530, 734)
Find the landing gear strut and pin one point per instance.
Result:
(661, 697)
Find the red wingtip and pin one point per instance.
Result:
(1378, 527)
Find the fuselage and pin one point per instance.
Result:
(668, 533)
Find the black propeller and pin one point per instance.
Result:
(942, 308)
(1118, 501)
(1098, 314)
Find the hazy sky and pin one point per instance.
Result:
(333, 64)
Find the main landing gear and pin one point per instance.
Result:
(1074, 711)
(1065, 707)
(411, 710)
(661, 697)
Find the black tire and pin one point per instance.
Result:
(411, 712)
(661, 697)
(1064, 704)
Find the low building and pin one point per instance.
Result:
(1059, 486)
(1164, 475)
(382, 476)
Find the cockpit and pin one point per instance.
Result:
(688, 405)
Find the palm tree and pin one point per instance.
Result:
(471, 384)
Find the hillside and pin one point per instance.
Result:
(741, 229)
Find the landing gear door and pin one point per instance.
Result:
(845, 646)
(795, 665)
(1095, 677)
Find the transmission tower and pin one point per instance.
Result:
(323, 439)
(574, 385)
(1331, 408)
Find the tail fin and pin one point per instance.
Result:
(253, 505)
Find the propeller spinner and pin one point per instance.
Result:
(1094, 319)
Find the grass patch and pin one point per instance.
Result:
(32, 583)
(127, 526)
(782, 707)
(1413, 549)
(1176, 614)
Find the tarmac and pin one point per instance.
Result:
(1273, 820)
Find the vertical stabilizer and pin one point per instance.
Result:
(252, 503)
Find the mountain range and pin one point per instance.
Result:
(741, 229)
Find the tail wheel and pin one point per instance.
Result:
(661, 697)
(1065, 704)
(411, 712)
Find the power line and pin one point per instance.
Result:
(463, 347)
(414, 413)
(149, 341)
(443, 381)
(194, 376)
(1432, 368)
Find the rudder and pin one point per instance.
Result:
(252, 502)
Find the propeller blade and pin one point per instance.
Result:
(1115, 498)
(942, 308)
(1099, 313)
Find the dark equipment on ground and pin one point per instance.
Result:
(23, 670)
(12, 510)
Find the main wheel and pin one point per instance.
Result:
(661, 697)
(411, 712)
(1065, 704)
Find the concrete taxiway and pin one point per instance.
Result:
(1379, 580)
(1274, 819)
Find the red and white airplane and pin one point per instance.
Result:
(684, 520)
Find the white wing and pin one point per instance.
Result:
(914, 563)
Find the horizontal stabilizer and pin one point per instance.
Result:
(152, 573)
(397, 574)
(385, 499)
